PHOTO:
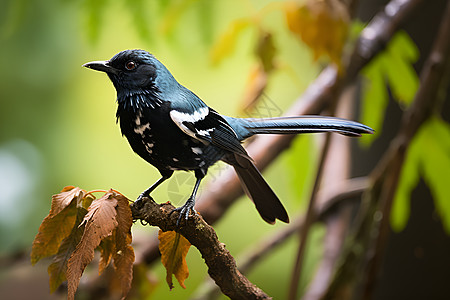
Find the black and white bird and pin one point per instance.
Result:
(171, 128)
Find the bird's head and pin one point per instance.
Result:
(132, 71)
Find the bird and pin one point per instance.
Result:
(171, 128)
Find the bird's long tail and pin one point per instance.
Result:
(257, 189)
(303, 124)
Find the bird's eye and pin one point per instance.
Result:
(130, 65)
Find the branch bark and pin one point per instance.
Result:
(221, 265)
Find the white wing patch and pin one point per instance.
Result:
(180, 117)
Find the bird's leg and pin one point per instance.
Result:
(147, 192)
(189, 205)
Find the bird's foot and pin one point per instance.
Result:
(138, 203)
(184, 210)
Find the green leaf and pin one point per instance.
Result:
(375, 99)
(435, 160)
(397, 65)
(409, 178)
(391, 68)
(429, 155)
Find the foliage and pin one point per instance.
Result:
(174, 248)
(77, 225)
(322, 25)
(428, 156)
(392, 68)
(69, 233)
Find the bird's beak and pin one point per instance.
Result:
(102, 66)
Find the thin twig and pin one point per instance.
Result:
(337, 222)
(305, 229)
(348, 190)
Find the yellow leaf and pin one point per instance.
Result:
(265, 50)
(322, 25)
(227, 41)
(174, 248)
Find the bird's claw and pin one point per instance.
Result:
(184, 210)
(140, 197)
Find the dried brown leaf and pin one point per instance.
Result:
(174, 248)
(100, 222)
(58, 224)
(63, 199)
(106, 249)
(124, 253)
(58, 269)
(52, 231)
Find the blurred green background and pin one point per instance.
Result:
(57, 127)
(57, 119)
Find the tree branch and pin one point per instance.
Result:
(433, 80)
(221, 194)
(344, 192)
(372, 232)
(221, 265)
(337, 222)
(309, 220)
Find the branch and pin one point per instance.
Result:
(221, 265)
(308, 222)
(220, 194)
(345, 192)
(434, 79)
(378, 200)
(337, 169)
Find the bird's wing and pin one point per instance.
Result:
(206, 125)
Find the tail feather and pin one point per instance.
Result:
(257, 189)
(304, 124)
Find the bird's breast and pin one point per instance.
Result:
(153, 135)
